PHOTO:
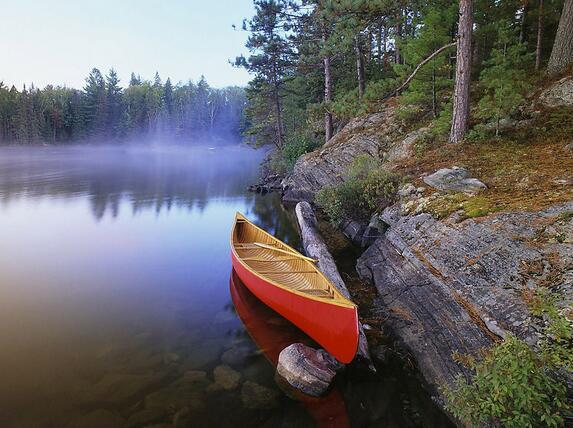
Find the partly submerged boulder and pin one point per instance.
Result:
(306, 369)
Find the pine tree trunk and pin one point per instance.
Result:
(379, 45)
(327, 93)
(562, 52)
(398, 35)
(279, 117)
(523, 21)
(461, 103)
(360, 68)
(539, 36)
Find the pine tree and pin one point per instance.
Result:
(505, 77)
(95, 109)
(429, 90)
(271, 59)
(113, 102)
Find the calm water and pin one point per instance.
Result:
(118, 305)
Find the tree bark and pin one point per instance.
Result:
(360, 68)
(562, 52)
(523, 21)
(327, 92)
(279, 118)
(398, 58)
(539, 36)
(316, 248)
(461, 102)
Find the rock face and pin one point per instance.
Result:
(328, 165)
(306, 369)
(453, 288)
(455, 179)
(559, 94)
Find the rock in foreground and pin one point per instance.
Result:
(306, 369)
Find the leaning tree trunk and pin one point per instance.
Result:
(461, 104)
(539, 36)
(360, 68)
(562, 52)
(315, 247)
(327, 93)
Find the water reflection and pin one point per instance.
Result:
(272, 333)
(155, 178)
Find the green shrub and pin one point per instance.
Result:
(295, 146)
(557, 344)
(366, 188)
(511, 387)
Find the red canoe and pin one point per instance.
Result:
(291, 284)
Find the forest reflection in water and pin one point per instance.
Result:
(115, 305)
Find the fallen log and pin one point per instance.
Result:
(315, 247)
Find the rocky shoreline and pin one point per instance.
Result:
(447, 287)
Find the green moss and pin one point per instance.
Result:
(565, 216)
(479, 206)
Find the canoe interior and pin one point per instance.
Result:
(281, 264)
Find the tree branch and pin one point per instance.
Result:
(411, 76)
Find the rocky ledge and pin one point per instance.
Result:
(452, 288)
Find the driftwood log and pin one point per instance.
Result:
(315, 247)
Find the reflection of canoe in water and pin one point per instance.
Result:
(272, 337)
(292, 285)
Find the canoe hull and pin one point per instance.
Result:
(334, 327)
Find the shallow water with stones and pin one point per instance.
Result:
(118, 306)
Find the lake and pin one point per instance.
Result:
(118, 306)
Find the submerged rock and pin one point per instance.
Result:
(98, 419)
(255, 396)
(146, 417)
(121, 389)
(237, 355)
(306, 369)
(179, 394)
(456, 179)
(226, 378)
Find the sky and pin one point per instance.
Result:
(59, 41)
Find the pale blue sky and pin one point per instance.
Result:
(59, 41)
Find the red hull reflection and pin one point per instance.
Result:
(272, 334)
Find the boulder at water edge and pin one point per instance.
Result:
(306, 369)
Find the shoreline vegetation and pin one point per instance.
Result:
(104, 110)
(363, 100)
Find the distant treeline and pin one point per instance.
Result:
(105, 110)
